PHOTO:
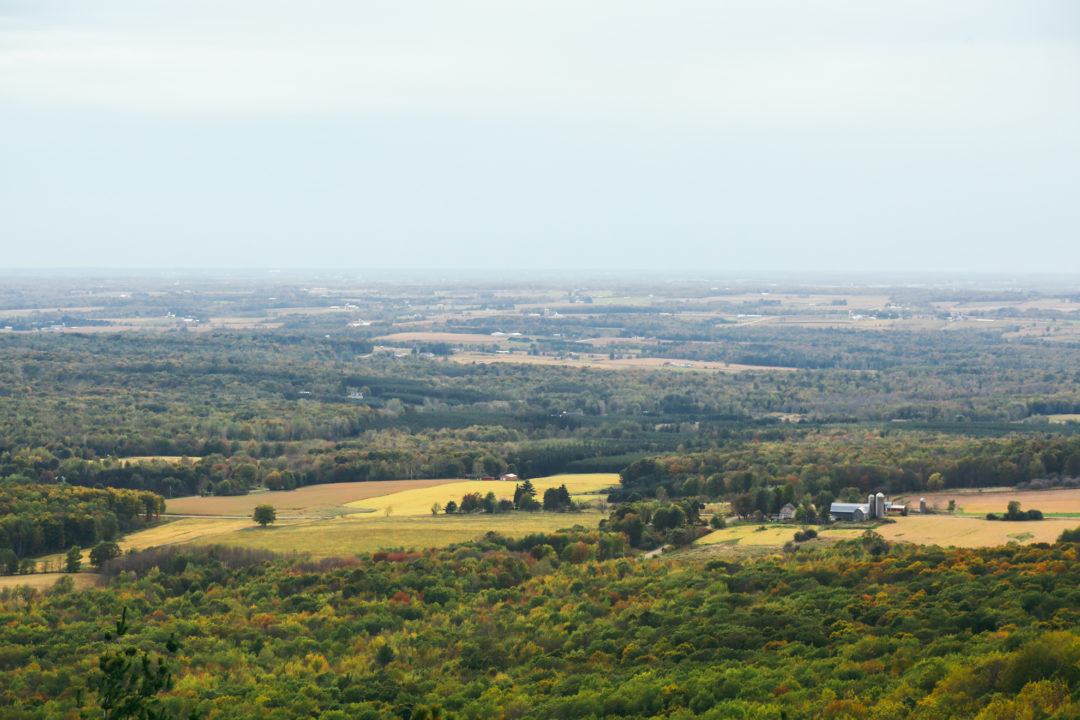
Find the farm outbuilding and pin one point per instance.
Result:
(876, 507)
(856, 512)
(787, 512)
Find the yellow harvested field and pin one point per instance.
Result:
(750, 535)
(182, 531)
(44, 581)
(419, 501)
(996, 500)
(345, 537)
(946, 530)
(310, 500)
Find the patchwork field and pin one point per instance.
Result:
(419, 501)
(310, 500)
(1063, 502)
(384, 515)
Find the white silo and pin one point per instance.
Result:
(879, 508)
(872, 506)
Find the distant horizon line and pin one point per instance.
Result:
(684, 274)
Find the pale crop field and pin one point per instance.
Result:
(1064, 501)
(446, 337)
(419, 501)
(309, 500)
(774, 535)
(605, 362)
(750, 535)
(44, 581)
(945, 530)
(182, 531)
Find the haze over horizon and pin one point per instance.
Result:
(743, 137)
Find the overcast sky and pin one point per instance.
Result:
(763, 135)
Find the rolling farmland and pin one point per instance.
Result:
(384, 515)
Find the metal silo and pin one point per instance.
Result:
(872, 506)
(879, 508)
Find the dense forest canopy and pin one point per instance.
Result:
(555, 631)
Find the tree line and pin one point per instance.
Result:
(40, 519)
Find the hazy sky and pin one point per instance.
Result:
(786, 135)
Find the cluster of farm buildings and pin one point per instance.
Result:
(876, 507)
